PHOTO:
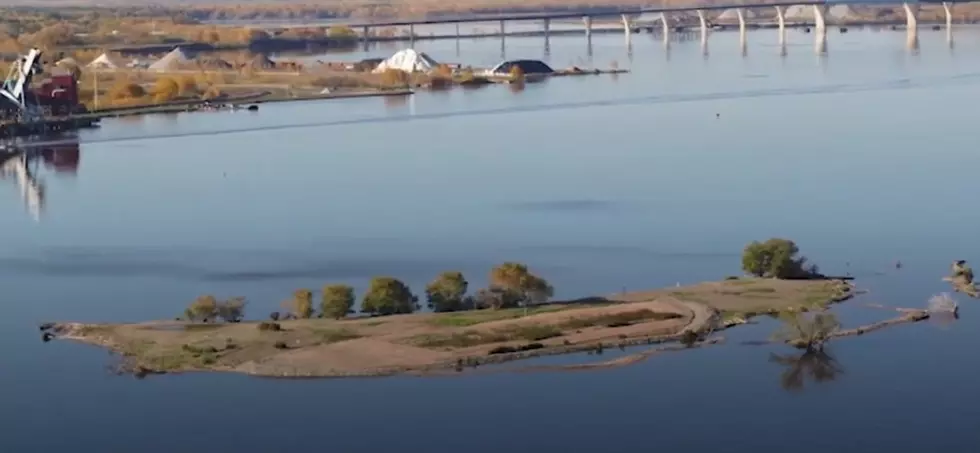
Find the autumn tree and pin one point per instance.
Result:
(300, 305)
(447, 292)
(126, 90)
(203, 309)
(165, 89)
(776, 258)
(337, 301)
(525, 288)
(388, 296)
(186, 85)
(341, 32)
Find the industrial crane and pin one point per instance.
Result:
(16, 86)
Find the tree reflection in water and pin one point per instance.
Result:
(818, 366)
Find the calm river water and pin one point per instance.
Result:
(864, 157)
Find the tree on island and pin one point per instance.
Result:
(232, 310)
(519, 285)
(208, 308)
(776, 258)
(300, 305)
(447, 292)
(388, 296)
(337, 301)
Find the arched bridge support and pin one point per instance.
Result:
(911, 26)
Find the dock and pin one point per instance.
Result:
(43, 126)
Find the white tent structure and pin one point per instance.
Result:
(103, 62)
(171, 61)
(408, 60)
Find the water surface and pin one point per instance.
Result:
(864, 156)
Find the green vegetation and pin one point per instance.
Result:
(807, 330)
(388, 296)
(470, 338)
(328, 336)
(776, 258)
(474, 317)
(267, 326)
(620, 319)
(447, 292)
(337, 301)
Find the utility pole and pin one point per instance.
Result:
(95, 89)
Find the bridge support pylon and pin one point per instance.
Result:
(411, 35)
(741, 30)
(820, 24)
(587, 20)
(948, 7)
(665, 22)
(911, 27)
(503, 28)
(781, 17)
(820, 30)
(704, 32)
(547, 28)
(627, 30)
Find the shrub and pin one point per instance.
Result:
(341, 32)
(213, 92)
(274, 316)
(165, 89)
(388, 296)
(280, 345)
(502, 350)
(267, 326)
(126, 90)
(776, 258)
(689, 338)
(536, 332)
(447, 292)
(531, 347)
(807, 331)
(337, 301)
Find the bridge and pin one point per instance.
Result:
(667, 16)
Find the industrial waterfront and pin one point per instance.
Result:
(863, 155)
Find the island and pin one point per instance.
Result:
(510, 320)
(423, 342)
